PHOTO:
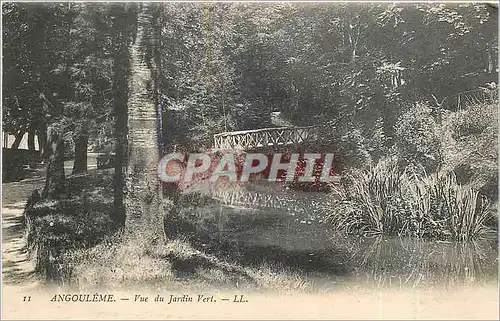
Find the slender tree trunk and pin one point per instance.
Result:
(156, 66)
(119, 215)
(31, 141)
(120, 93)
(54, 182)
(80, 164)
(31, 147)
(18, 139)
(42, 142)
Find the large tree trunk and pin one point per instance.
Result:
(80, 164)
(54, 182)
(17, 141)
(143, 197)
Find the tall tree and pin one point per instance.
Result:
(55, 176)
(143, 189)
(119, 14)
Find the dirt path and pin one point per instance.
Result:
(17, 268)
(16, 265)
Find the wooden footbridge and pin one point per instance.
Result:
(265, 137)
(291, 135)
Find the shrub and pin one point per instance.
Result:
(54, 227)
(469, 139)
(351, 149)
(417, 141)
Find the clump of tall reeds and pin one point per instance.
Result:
(387, 200)
(451, 208)
(370, 202)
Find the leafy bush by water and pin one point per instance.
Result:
(470, 147)
(417, 142)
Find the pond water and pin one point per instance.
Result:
(291, 235)
(414, 262)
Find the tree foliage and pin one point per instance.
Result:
(226, 66)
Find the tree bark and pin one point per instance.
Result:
(135, 130)
(31, 148)
(157, 23)
(80, 163)
(54, 182)
(143, 203)
(31, 141)
(18, 139)
(42, 142)
(120, 94)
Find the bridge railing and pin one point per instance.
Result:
(468, 98)
(264, 137)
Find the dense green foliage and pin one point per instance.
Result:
(58, 51)
(442, 180)
(317, 63)
(226, 66)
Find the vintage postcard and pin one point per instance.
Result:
(249, 160)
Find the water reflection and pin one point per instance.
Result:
(289, 233)
(419, 262)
